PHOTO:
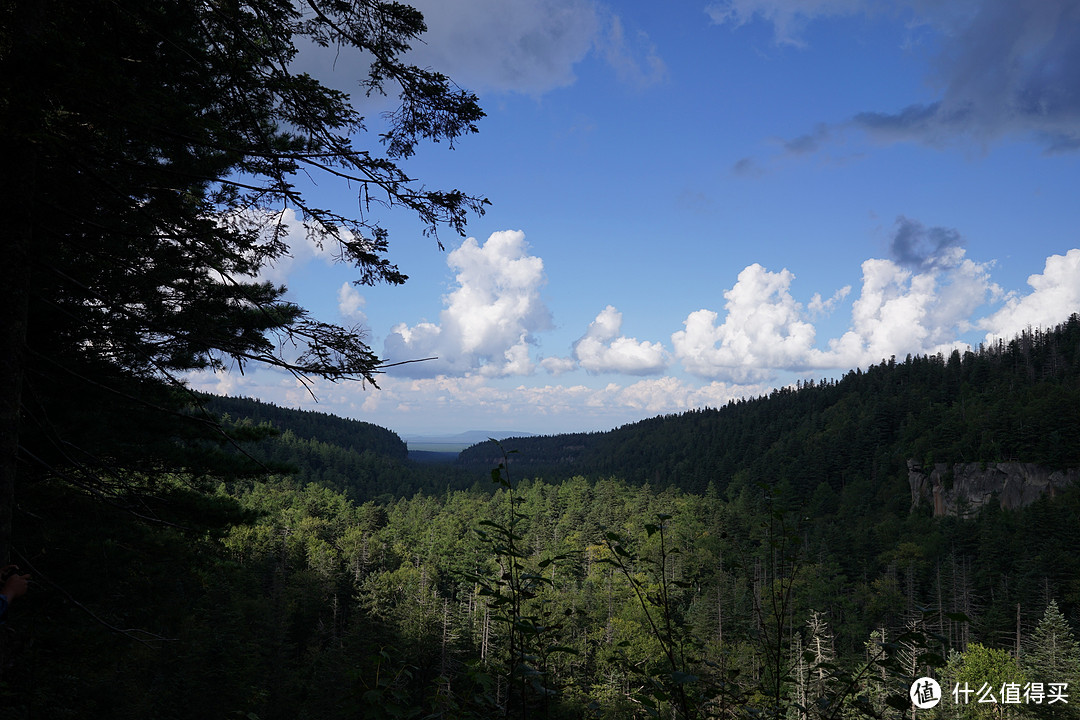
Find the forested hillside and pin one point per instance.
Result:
(798, 583)
(364, 461)
(323, 427)
(1012, 401)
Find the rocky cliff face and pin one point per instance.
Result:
(962, 488)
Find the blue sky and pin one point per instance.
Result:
(698, 201)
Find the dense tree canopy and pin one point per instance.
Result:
(151, 151)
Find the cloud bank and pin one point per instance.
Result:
(442, 401)
(922, 300)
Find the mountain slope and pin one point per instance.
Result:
(346, 433)
(367, 461)
(1015, 401)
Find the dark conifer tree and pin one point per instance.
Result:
(150, 150)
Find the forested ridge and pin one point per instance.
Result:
(1012, 401)
(359, 459)
(777, 590)
(343, 432)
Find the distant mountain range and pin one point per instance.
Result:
(445, 448)
(464, 439)
(469, 437)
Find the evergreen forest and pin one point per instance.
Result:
(764, 558)
(801, 556)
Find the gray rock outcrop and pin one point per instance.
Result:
(961, 489)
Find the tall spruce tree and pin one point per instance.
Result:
(150, 153)
(1053, 656)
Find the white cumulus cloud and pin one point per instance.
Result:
(1055, 296)
(490, 319)
(603, 350)
(900, 311)
(763, 329)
